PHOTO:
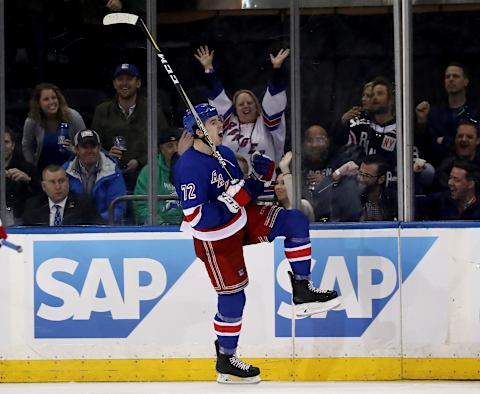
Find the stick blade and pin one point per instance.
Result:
(120, 17)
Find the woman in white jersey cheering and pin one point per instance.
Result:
(249, 126)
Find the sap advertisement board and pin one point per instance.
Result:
(145, 295)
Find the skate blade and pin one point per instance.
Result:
(231, 379)
(313, 308)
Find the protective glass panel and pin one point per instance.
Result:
(62, 111)
(348, 114)
(446, 112)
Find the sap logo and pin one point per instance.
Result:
(356, 305)
(102, 289)
(363, 270)
(80, 305)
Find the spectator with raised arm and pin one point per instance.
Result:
(377, 134)
(437, 125)
(353, 127)
(48, 118)
(248, 125)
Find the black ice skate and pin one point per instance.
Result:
(309, 300)
(233, 370)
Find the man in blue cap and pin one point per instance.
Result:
(125, 116)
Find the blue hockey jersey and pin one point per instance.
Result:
(199, 180)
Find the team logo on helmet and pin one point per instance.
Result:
(204, 111)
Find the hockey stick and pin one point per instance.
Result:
(131, 19)
(4, 242)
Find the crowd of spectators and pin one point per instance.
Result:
(65, 168)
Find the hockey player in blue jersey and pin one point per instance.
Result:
(222, 216)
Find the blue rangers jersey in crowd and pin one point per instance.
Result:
(199, 180)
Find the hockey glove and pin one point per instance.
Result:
(229, 202)
(263, 167)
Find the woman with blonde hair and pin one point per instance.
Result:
(48, 118)
(284, 189)
(249, 125)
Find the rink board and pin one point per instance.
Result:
(138, 306)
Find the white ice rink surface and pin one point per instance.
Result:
(407, 387)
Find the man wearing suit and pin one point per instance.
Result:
(59, 207)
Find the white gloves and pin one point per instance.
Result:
(229, 201)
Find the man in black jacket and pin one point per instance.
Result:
(460, 202)
(59, 207)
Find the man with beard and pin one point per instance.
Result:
(357, 193)
(126, 116)
(378, 202)
(316, 152)
(377, 132)
(321, 158)
(382, 139)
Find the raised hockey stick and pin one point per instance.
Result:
(131, 19)
(4, 242)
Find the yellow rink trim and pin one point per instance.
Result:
(277, 369)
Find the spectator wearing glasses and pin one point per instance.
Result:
(376, 132)
(321, 156)
(378, 201)
(438, 124)
(466, 143)
(357, 193)
(320, 159)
